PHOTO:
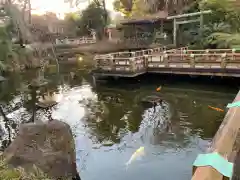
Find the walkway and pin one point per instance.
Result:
(213, 62)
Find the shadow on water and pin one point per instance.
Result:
(110, 120)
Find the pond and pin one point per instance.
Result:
(110, 122)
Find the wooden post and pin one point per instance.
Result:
(223, 143)
(166, 60)
(223, 61)
(175, 23)
(192, 60)
(174, 32)
(161, 26)
(189, 14)
(110, 34)
(201, 24)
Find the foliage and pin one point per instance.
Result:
(73, 16)
(138, 8)
(151, 6)
(224, 40)
(221, 27)
(5, 48)
(93, 17)
(12, 56)
(7, 173)
(72, 20)
(223, 11)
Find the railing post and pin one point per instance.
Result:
(131, 63)
(151, 51)
(223, 61)
(166, 59)
(192, 60)
(207, 52)
(233, 54)
(145, 61)
(133, 54)
(111, 63)
(97, 65)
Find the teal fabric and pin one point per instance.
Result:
(235, 104)
(216, 161)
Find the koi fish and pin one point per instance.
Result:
(159, 88)
(139, 152)
(216, 109)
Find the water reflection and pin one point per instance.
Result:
(109, 124)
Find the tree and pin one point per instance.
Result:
(129, 7)
(223, 11)
(93, 17)
(137, 8)
(75, 2)
(222, 27)
(72, 20)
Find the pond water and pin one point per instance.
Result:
(110, 122)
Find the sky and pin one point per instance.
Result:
(59, 7)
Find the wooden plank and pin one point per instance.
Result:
(194, 73)
(209, 51)
(188, 21)
(223, 143)
(189, 14)
(175, 32)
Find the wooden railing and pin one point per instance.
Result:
(77, 41)
(159, 59)
(223, 143)
(134, 54)
(133, 64)
(196, 59)
(210, 51)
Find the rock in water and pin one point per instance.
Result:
(50, 146)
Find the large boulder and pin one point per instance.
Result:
(50, 146)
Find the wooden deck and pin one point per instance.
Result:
(217, 62)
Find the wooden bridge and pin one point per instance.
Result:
(212, 62)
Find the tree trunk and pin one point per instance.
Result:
(105, 17)
(29, 12)
(106, 13)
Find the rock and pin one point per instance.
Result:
(50, 146)
(151, 100)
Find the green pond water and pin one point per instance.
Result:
(110, 121)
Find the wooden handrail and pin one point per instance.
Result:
(223, 143)
(218, 54)
(222, 58)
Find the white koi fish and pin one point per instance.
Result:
(139, 152)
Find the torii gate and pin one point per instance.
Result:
(176, 21)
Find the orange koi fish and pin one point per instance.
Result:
(159, 88)
(216, 109)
